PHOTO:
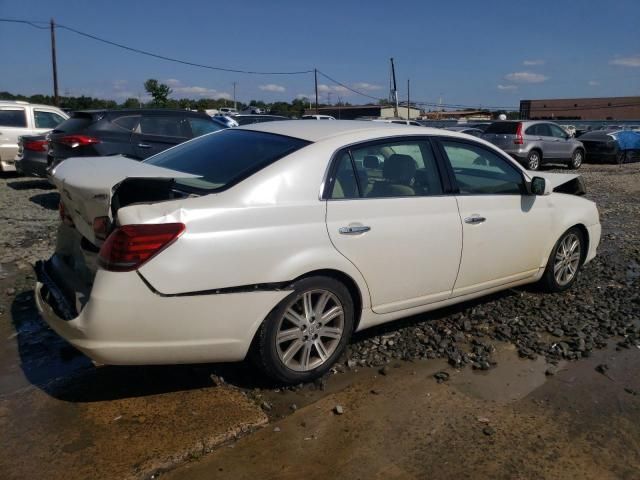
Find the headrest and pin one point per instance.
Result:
(371, 161)
(399, 168)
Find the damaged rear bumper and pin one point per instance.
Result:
(122, 322)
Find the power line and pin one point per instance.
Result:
(347, 87)
(156, 55)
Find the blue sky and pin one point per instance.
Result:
(490, 53)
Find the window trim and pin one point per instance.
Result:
(326, 188)
(439, 139)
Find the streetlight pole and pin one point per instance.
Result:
(315, 72)
(234, 96)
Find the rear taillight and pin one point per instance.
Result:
(74, 141)
(36, 145)
(519, 140)
(130, 246)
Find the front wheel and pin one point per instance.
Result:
(576, 159)
(306, 332)
(565, 261)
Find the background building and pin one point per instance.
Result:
(372, 111)
(606, 108)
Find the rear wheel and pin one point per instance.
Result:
(565, 261)
(576, 159)
(533, 160)
(307, 332)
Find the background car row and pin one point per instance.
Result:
(33, 138)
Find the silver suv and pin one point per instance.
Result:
(533, 143)
(22, 118)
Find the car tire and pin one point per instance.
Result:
(534, 160)
(293, 345)
(565, 261)
(576, 159)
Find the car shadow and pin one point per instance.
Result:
(50, 200)
(56, 367)
(35, 183)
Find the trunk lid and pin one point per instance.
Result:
(87, 186)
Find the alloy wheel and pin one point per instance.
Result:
(567, 260)
(577, 159)
(310, 330)
(534, 161)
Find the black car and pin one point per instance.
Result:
(137, 134)
(600, 147)
(32, 155)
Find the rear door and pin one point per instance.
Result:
(504, 228)
(563, 146)
(549, 143)
(13, 124)
(387, 212)
(157, 132)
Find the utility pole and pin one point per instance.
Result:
(408, 102)
(315, 72)
(56, 99)
(234, 96)
(394, 90)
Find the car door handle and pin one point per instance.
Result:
(353, 230)
(144, 145)
(474, 219)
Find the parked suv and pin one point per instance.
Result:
(533, 143)
(22, 118)
(136, 134)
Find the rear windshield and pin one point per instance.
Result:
(224, 158)
(504, 128)
(75, 124)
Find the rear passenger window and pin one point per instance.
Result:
(130, 122)
(13, 118)
(200, 126)
(169, 126)
(382, 170)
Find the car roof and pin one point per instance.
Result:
(316, 131)
(21, 103)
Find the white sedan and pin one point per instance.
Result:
(283, 238)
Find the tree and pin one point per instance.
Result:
(159, 91)
(131, 103)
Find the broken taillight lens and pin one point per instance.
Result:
(130, 246)
(101, 227)
(66, 218)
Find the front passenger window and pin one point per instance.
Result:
(479, 171)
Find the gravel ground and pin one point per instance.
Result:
(603, 304)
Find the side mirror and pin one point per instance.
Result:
(539, 186)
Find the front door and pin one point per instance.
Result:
(504, 228)
(387, 214)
